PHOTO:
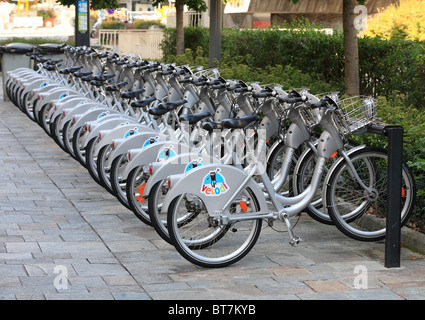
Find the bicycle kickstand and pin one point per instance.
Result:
(293, 239)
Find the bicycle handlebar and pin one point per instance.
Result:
(292, 100)
(264, 94)
(324, 102)
(243, 89)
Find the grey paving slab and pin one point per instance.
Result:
(63, 237)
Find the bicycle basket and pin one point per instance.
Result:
(311, 117)
(354, 114)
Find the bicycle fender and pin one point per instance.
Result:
(56, 110)
(198, 182)
(92, 116)
(105, 127)
(58, 94)
(121, 131)
(79, 109)
(272, 148)
(136, 141)
(156, 152)
(181, 163)
(113, 119)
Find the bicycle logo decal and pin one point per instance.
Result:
(130, 133)
(150, 141)
(165, 154)
(103, 114)
(214, 184)
(193, 164)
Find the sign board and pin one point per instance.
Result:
(82, 34)
(83, 16)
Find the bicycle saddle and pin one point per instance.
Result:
(49, 67)
(87, 78)
(103, 77)
(54, 62)
(143, 103)
(82, 74)
(240, 122)
(132, 94)
(97, 83)
(210, 126)
(194, 118)
(116, 86)
(171, 105)
(70, 70)
(157, 112)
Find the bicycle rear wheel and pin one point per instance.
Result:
(357, 213)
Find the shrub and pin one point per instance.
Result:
(387, 67)
(194, 37)
(113, 24)
(146, 24)
(49, 13)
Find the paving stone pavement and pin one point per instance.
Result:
(62, 236)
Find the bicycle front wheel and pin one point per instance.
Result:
(135, 185)
(204, 240)
(357, 213)
(157, 218)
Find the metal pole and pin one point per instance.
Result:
(82, 23)
(393, 225)
(216, 21)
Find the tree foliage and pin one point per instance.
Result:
(94, 4)
(405, 20)
(197, 5)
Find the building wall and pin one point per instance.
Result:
(325, 12)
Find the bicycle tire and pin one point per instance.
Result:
(79, 153)
(118, 183)
(101, 171)
(214, 248)
(91, 161)
(137, 203)
(158, 220)
(359, 217)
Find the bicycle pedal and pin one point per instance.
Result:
(295, 241)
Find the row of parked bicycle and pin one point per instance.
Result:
(206, 160)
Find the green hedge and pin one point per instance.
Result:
(146, 24)
(387, 67)
(113, 24)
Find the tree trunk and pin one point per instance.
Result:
(216, 21)
(179, 27)
(351, 51)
